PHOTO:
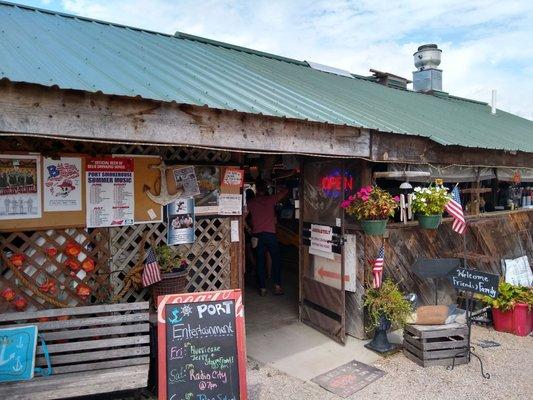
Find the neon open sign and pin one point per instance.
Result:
(331, 184)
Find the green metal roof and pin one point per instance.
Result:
(49, 48)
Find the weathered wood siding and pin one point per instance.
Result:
(489, 238)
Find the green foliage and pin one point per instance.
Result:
(371, 203)
(387, 300)
(508, 296)
(430, 200)
(169, 259)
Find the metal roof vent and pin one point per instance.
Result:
(328, 69)
(428, 77)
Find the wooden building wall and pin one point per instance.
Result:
(489, 238)
(215, 261)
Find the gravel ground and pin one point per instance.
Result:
(510, 366)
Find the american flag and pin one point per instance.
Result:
(455, 209)
(377, 267)
(151, 272)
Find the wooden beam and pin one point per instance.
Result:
(415, 149)
(43, 111)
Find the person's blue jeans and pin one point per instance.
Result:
(268, 241)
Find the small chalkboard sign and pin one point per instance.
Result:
(201, 346)
(474, 281)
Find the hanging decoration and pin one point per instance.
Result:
(48, 286)
(8, 294)
(83, 291)
(20, 303)
(51, 252)
(73, 264)
(72, 249)
(87, 265)
(17, 260)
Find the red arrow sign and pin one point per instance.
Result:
(330, 274)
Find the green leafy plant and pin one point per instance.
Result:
(388, 300)
(371, 203)
(169, 259)
(430, 200)
(508, 296)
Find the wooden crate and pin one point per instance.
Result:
(429, 345)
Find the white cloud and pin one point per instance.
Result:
(486, 43)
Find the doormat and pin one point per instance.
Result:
(348, 378)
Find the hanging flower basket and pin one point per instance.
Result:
(429, 221)
(372, 207)
(374, 227)
(428, 204)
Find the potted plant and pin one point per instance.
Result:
(512, 309)
(372, 207)
(429, 203)
(174, 271)
(386, 307)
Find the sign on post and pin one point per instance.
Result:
(474, 281)
(201, 346)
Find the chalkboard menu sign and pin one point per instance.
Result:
(201, 346)
(471, 280)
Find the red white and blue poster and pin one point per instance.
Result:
(109, 192)
(62, 184)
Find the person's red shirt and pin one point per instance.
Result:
(263, 214)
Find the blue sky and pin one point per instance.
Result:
(486, 44)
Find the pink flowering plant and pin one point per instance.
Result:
(371, 203)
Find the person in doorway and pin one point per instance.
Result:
(263, 216)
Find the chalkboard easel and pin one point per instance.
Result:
(201, 346)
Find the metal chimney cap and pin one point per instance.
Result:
(428, 46)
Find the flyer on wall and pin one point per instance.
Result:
(109, 192)
(62, 184)
(208, 177)
(20, 187)
(180, 221)
(186, 178)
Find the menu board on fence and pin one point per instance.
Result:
(201, 346)
(109, 192)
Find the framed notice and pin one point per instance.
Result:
(62, 184)
(20, 187)
(201, 346)
(109, 192)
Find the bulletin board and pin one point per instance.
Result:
(49, 220)
(146, 210)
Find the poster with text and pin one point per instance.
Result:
(208, 177)
(230, 204)
(62, 184)
(232, 181)
(20, 187)
(186, 179)
(109, 192)
(180, 220)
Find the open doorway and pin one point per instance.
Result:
(306, 325)
(267, 306)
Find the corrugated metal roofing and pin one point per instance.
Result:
(49, 48)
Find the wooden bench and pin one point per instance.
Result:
(93, 349)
